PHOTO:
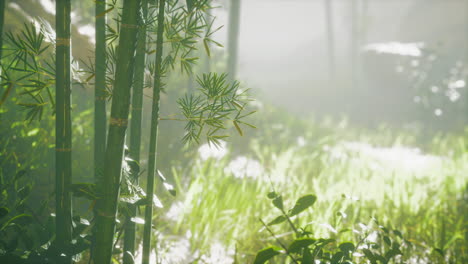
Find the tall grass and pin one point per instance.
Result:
(356, 174)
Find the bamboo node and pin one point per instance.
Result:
(120, 122)
(130, 26)
(62, 42)
(63, 149)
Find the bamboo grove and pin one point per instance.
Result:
(138, 44)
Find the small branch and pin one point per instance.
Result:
(289, 221)
(279, 241)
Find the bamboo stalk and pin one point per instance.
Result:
(135, 130)
(2, 20)
(233, 37)
(63, 140)
(153, 136)
(109, 185)
(100, 90)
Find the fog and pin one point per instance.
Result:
(283, 53)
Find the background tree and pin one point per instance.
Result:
(63, 143)
(330, 40)
(354, 45)
(2, 20)
(233, 37)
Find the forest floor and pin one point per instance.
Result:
(357, 174)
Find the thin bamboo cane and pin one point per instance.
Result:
(153, 136)
(2, 20)
(135, 130)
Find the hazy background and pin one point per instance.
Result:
(283, 56)
(283, 52)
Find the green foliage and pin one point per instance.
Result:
(266, 254)
(27, 229)
(218, 104)
(30, 67)
(320, 164)
(304, 249)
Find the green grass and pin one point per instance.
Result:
(361, 173)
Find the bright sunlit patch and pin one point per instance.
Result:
(457, 84)
(218, 254)
(256, 104)
(397, 157)
(243, 167)
(89, 31)
(177, 251)
(397, 48)
(48, 6)
(452, 94)
(301, 142)
(329, 228)
(176, 211)
(211, 151)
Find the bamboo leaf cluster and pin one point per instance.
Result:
(219, 106)
(29, 66)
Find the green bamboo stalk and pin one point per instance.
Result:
(153, 136)
(465, 120)
(100, 90)
(2, 20)
(63, 135)
(233, 37)
(135, 130)
(109, 184)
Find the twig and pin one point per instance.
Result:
(279, 241)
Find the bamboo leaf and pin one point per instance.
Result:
(236, 125)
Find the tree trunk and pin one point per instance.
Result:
(2, 20)
(63, 135)
(465, 120)
(153, 136)
(330, 41)
(233, 37)
(135, 130)
(100, 91)
(354, 45)
(109, 185)
(364, 22)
